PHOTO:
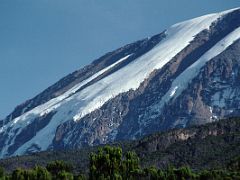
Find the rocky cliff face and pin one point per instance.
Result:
(137, 113)
(187, 75)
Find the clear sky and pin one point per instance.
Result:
(43, 40)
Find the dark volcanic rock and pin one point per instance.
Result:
(209, 93)
(134, 114)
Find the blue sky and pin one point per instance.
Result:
(43, 40)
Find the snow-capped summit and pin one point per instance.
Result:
(188, 74)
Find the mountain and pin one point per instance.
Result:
(211, 146)
(186, 75)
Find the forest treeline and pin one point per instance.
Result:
(109, 163)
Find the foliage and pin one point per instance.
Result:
(63, 175)
(235, 164)
(109, 163)
(81, 177)
(42, 173)
(38, 173)
(58, 166)
(2, 173)
(221, 161)
(193, 152)
(106, 164)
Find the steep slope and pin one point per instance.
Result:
(176, 78)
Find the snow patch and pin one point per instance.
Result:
(173, 91)
(192, 71)
(74, 104)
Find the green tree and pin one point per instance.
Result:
(42, 173)
(130, 164)
(106, 163)
(80, 177)
(152, 173)
(184, 173)
(18, 174)
(170, 173)
(58, 166)
(2, 173)
(205, 175)
(161, 174)
(109, 163)
(63, 175)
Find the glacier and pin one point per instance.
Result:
(74, 104)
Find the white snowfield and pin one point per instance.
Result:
(73, 105)
(181, 82)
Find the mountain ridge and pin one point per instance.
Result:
(136, 90)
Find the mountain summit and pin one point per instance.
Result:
(188, 74)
